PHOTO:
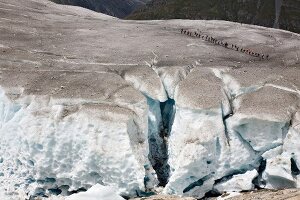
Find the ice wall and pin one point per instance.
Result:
(241, 144)
(54, 147)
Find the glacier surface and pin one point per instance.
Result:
(88, 101)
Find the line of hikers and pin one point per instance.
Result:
(224, 44)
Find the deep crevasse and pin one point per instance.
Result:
(210, 148)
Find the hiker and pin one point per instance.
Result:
(226, 45)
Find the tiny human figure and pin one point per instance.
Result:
(226, 44)
(181, 31)
(267, 56)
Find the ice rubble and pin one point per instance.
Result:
(239, 182)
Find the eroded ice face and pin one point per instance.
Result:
(88, 99)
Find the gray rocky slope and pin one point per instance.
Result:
(87, 98)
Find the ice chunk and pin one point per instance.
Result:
(239, 182)
(193, 151)
(96, 192)
(260, 134)
(291, 143)
(278, 174)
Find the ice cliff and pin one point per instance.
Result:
(88, 99)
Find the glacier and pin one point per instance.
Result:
(89, 102)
